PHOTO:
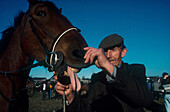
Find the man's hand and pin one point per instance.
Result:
(71, 88)
(68, 91)
(101, 62)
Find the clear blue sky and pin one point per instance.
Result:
(144, 24)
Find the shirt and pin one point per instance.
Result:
(111, 79)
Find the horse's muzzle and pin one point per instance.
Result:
(79, 54)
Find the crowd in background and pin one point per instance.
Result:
(160, 86)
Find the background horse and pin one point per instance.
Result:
(36, 33)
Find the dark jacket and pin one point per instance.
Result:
(128, 92)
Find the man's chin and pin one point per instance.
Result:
(114, 63)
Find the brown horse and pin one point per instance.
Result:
(36, 33)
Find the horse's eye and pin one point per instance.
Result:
(41, 13)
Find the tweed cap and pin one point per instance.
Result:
(111, 41)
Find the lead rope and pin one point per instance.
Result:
(64, 96)
(64, 102)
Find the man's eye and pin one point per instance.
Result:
(41, 13)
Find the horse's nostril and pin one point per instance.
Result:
(79, 54)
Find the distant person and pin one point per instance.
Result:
(166, 87)
(119, 87)
(149, 82)
(50, 90)
(164, 77)
(44, 87)
(155, 88)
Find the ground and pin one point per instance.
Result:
(36, 104)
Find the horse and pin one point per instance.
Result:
(38, 33)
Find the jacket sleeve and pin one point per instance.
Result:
(130, 85)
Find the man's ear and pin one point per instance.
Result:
(123, 53)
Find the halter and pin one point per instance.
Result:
(56, 39)
(54, 45)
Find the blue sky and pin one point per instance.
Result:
(144, 25)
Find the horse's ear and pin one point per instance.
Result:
(32, 2)
(60, 10)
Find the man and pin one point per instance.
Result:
(44, 87)
(164, 77)
(119, 87)
(155, 88)
(166, 86)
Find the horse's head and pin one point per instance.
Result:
(44, 30)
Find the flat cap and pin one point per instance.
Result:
(111, 41)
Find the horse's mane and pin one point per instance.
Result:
(7, 33)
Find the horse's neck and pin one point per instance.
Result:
(13, 57)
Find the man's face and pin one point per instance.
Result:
(114, 56)
(166, 76)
